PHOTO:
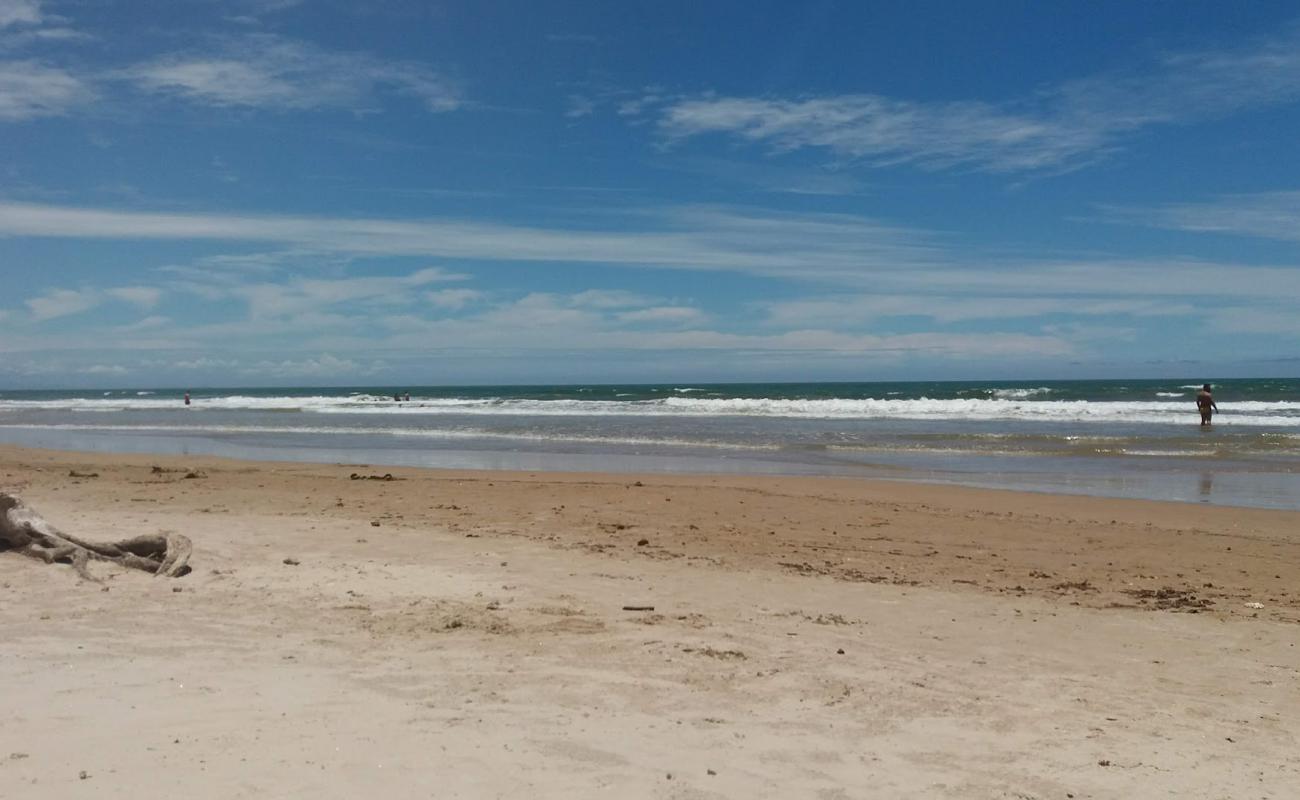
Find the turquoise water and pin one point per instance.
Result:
(1132, 438)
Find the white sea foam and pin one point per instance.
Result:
(1272, 413)
(1020, 394)
(1171, 394)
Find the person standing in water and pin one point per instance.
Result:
(1205, 404)
(187, 398)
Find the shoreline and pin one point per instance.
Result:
(1224, 483)
(475, 634)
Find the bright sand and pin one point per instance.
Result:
(463, 634)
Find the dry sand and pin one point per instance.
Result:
(463, 634)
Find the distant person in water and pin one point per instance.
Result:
(1205, 404)
(406, 398)
(187, 398)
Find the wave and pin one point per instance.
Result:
(1260, 413)
(1007, 393)
(1020, 394)
(1171, 394)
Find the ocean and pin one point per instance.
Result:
(1118, 438)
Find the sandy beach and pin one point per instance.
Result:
(494, 634)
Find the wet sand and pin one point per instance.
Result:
(464, 634)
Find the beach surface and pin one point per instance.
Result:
(509, 634)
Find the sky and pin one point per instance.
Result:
(330, 192)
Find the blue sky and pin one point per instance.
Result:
(273, 192)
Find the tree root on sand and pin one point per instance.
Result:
(24, 531)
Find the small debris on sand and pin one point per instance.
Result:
(291, 561)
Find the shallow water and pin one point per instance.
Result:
(1118, 438)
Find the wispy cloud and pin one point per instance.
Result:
(862, 309)
(663, 315)
(611, 299)
(252, 11)
(152, 322)
(579, 106)
(62, 303)
(453, 299)
(1269, 215)
(29, 89)
(885, 130)
(142, 296)
(807, 246)
(768, 176)
(305, 296)
(266, 71)
(24, 22)
(832, 249)
(1059, 128)
(19, 12)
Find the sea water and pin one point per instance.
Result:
(1123, 438)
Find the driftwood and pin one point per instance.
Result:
(24, 531)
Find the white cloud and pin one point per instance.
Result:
(808, 246)
(265, 71)
(323, 366)
(935, 135)
(1269, 215)
(23, 22)
(663, 315)
(66, 302)
(453, 299)
(579, 107)
(146, 324)
(862, 309)
(829, 249)
(29, 90)
(205, 363)
(104, 369)
(19, 12)
(143, 296)
(609, 298)
(1058, 128)
(62, 303)
(311, 295)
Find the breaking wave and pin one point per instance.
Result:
(1263, 413)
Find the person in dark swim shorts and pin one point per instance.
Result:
(1205, 404)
